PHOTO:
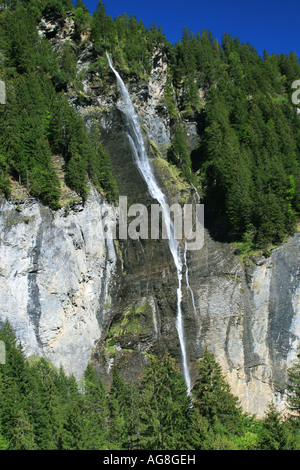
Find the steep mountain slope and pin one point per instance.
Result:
(72, 296)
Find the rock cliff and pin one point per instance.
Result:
(57, 277)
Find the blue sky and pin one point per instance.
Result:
(273, 26)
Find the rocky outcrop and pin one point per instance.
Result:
(72, 296)
(56, 28)
(248, 317)
(57, 279)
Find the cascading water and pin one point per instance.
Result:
(196, 195)
(141, 158)
(187, 280)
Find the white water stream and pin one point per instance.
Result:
(196, 195)
(141, 158)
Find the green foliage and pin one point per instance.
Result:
(59, 7)
(130, 44)
(67, 64)
(99, 165)
(124, 406)
(166, 406)
(213, 398)
(24, 142)
(273, 434)
(249, 151)
(37, 120)
(248, 156)
(41, 408)
(294, 387)
(4, 180)
(179, 153)
(82, 18)
(4, 445)
(18, 43)
(170, 99)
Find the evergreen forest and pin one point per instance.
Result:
(247, 160)
(41, 408)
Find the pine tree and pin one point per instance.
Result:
(73, 432)
(23, 437)
(199, 432)
(4, 445)
(119, 410)
(16, 368)
(294, 388)
(38, 411)
(46, 404)
(82, 18)
(179, 153)
(165, 406)
(273, 434)
(11, 406)
(99, 166)
(133, 440)
(19, 42)
(96, 411)
(212, 396)
(67, 64)
(103, 29)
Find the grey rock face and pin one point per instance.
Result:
(62, 287)
(248, 319)
(57, 29)
(2, 92)
(148, 100)
(56, 274)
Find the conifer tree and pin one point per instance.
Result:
(53, 398)
(39, 408)
(119, 404)
(213, 398)
(4, 445)
(294, 387)
(165, 406)
(179, 153)
(82, 18)
(96, 411)
(273, 435)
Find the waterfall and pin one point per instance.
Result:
(196, 195)
(141, 158)
(187, 281)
